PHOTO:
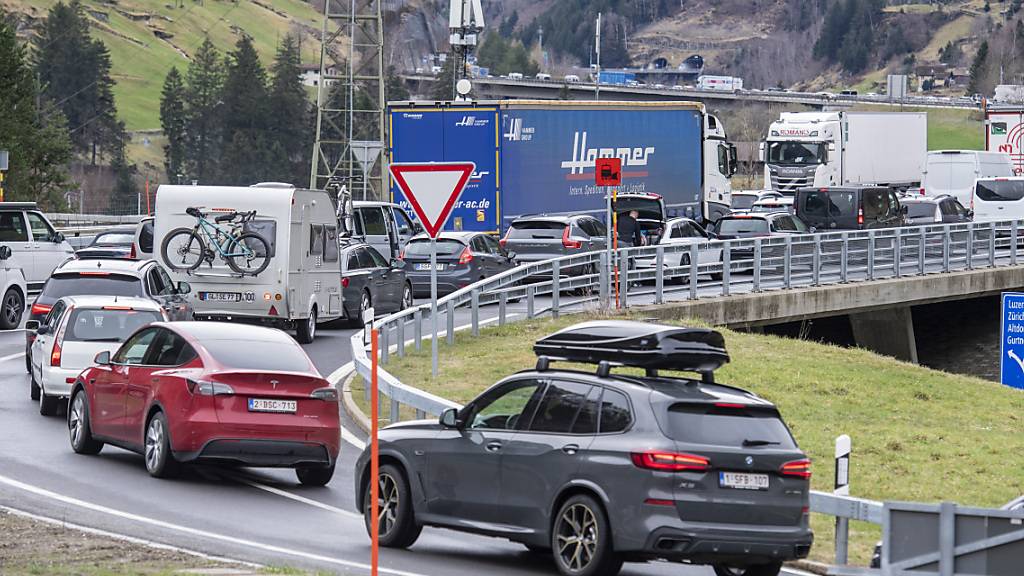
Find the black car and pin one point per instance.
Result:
(849, 208)
(368, 280)
(117, 243)
(536, 238)
(598, 467)
(462, 258)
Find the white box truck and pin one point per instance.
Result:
(837, 148)
(300, 286)
(726, 83)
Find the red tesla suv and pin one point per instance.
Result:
(209, 392)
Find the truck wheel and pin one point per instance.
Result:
(306, 330)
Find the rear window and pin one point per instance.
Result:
(734, 226)
(444, 248)
(258, 355)
(743, 201)
(721, 426)
(535, 230)
(61, 285)
(920, 210)
(1000, 190)
(115, 238)
(93, 325)
(146, 237)
(835, 203)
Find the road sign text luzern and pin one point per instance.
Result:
(608, 172)
(1011, 349)
(433, 189)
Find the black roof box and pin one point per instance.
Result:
(637, 344)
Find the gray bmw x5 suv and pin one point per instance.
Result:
(598, 467)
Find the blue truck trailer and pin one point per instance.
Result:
(538, 156)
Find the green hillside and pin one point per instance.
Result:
(147, 37)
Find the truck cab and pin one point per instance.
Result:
(720, 163)
(796, 153)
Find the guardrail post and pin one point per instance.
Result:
(502, 304)
(529, 302)
(787, 263)
(816, 261)
(871, 255)
(450, 313)
(603, 288)
(395, 416)
(693, 271)
(623, 279)
(920, 252)
(970, 246)
(726, 265)
(946, 246)
(991, 244)
(659, 275)
(897, 253)
(385, 344)
(757, 265)
(475, 311)
(417, 328)
(947, 538)
(1013, 243)
(556, 290)
(401, 337)
(844, 257)
(420, 414)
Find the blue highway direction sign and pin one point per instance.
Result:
(1012, 340)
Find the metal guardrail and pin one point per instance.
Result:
(70, 220)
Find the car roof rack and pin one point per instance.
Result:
(653, 347)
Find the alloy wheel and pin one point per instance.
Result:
(364, 305)
(154, 443)
(387, 504)
(76, 420)
(406, 297)
(311, 324)
(13, 308)
(578, 536)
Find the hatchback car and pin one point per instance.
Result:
(462, 258)
(117, 243)
(368, 280)
(942, 209)
(209, 392)
(73, 333)
(145, 279)
(760, 225)
(684, 232)
(598, 468)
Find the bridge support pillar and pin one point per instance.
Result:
(889, 332)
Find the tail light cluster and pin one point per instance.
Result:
(860, 216)
(325, 394)
(569, 242)
(42, 309)
(131, 253)
(209, 388)
(58, 340)
(798, 468)
(670, 461)
(466, 257)
(344, 282)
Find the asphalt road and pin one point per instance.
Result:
(261, 516)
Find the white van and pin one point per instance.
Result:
(301, 285)
(515, 75)
(36, 246)
(953, 172)
(998, 199)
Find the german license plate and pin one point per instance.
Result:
(427, 266)
(743, 480)
(271, 405)
(227, 296)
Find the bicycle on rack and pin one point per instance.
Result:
(247, 253)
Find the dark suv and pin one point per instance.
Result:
(598, 468)
(849, 208)
(535, 238)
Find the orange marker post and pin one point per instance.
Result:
(615, 244)
(374, 459)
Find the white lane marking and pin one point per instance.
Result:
(194, 531)
(290, 496)
(333, 379)
(11, 357)
(351, 439)
(126, 538)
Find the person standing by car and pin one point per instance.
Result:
(628, 230)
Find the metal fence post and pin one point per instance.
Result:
(395, 411)
(844, 256)
(946, 246)
(385, 345)
(816, 261)
(693, 271)
(401, 336)
(475, 311)
(659, 275)
(757, 265)
(529, 302)
(970, 246)
(417, 328)
(726, 265)
(991, 244)
(623, 279)
(947, 538)
(603, 285)
(897, 253)
(871, 255)
(920, 252)
(556, 280)
(502, 304)
(787, 264)
(450, 313)
(1013, 243)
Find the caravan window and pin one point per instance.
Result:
(316, 239)
(330, 244)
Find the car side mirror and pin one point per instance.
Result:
(42, 330)
(184, 287)
(103, 358)
(417, 227)
(32, 325)
(5, 252)
(57, 237)
(970, 214)
(904, 210)
(450, 418)
(813, 229)
(511, 255)
(397, 264)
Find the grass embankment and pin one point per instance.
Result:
(918, 434)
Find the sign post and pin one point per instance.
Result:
(433, 190)
(374, 453)
(1011, 349)
(842, 488)
(608, 173)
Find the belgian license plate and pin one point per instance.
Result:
(743, 480)
(427, 267)
(271, 405)
(227, 296)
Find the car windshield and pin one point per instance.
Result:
(258, 354)
(722, 426)
(736, 226)
(920, 209)
(743, 201)
(116, 238)
(535, 229)
(111, 324)
(800, 153)
(93, 283)
(444, 247)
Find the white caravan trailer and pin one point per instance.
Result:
(301, 285)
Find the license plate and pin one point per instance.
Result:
(427, 267)
(743, 480)
(270, 405)
(227, 296)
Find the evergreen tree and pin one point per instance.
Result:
(204, 81)
(174, 122)
(245, 117)
(444, 86)
(978, 69)
(124, 199)
(289, 118)
(394, 88)
(39, 146)
(74, 70)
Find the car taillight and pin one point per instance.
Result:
(799, 468)
(571, 243)
(466, 257)
(401, 254)
(209, 388)
(670, 461)
(344, 282)
(55, 353)
(326, 394)
(502, 242)
(41, 309)
(131, 253)
(860, 216)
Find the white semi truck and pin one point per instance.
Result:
(809, 149)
